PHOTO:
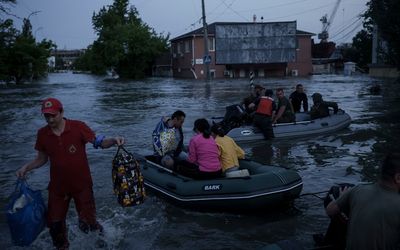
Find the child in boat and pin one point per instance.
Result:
(229, 151)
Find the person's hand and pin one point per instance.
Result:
(273, 122)
(342, 190)
(21, 173)
(119, 140)
(251, 106)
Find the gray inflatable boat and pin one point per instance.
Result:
(303, 126)
(265, 187)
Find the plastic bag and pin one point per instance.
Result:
(127, 179)
(26, 214)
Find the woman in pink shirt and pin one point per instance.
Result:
(203, 161)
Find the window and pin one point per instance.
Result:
(211, 43)
(187, 46)
(179, 48)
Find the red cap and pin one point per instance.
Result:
(51, 106)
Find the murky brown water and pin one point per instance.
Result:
(133, 108)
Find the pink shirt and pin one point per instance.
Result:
(204, 152)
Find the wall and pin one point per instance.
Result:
(303, 63)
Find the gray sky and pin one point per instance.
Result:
(68, 22)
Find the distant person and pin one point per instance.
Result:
(203, 161)
(373, 209)
(63, 141)
(229, 151)
(320, 107)
(168, 140)
(265, 109)
(297, 98)
(284, 112)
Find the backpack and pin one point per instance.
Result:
(26, 214)
(127, 179)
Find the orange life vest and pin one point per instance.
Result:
(265, 106)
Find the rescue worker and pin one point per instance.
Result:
(264, 112)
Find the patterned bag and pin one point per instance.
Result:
(127, 179)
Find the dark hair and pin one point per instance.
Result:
(203, 127)
(218, 130)
(390, 166)
(279, 89)
(178, 114)
(268, 92)
(299, 85)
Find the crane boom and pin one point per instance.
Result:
(326, 24)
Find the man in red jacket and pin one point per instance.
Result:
(63, 142)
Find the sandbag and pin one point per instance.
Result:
(127, 179)
(26, 214)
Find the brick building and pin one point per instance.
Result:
(236, 49)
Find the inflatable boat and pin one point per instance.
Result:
(242, 131)
(264, 187)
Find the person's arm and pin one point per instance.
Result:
(192, 151)
(334, 106)
(279, 114)
(39, 161)
(239, 152)
(333, 207)
(108, 142)
(305, 103)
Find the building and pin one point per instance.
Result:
(67, 57)
(236, 49)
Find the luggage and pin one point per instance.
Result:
(26, 214)
(127, 179)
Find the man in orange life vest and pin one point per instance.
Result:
(265, 110)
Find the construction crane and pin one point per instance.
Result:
(326, 24)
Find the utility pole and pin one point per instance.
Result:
(206, 57)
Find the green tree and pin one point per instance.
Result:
(360, 50)
(125, 43)
(385, 14)
(8, 35)
(27, 59)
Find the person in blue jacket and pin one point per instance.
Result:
(168, 140)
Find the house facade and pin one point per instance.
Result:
(236, 49)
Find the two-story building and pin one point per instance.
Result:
(236, 49)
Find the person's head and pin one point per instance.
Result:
(202, 126)
(390, 170)
(178, 117)
(279, 93)
(299, 88)
(258, 89)
(217, 129)
(52, 110)
(269, 93)
(317, 97)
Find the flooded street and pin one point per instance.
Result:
(133, 108)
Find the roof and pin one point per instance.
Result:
(211, 30)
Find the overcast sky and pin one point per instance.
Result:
(68, 22)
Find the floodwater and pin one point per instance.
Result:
(133, 108)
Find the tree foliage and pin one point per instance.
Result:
(125, 43)
(385, 14)
(360, 50)
(22, 58)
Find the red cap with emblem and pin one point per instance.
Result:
(51, 106)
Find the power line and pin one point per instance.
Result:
(350, 32)
(302, 12)
(346, 28)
